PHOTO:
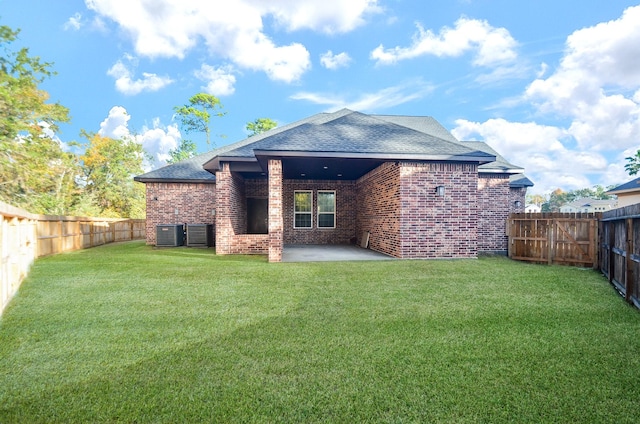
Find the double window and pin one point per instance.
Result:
(303, 209)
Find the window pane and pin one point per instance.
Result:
(326, 201)
(302, 220)
(326, 220)
(302, 201)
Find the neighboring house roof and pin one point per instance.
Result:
(588, 202)
(364, 140)
(631, 186)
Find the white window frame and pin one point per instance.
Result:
(334, 213)
(296, 213)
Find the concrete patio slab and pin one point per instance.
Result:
(332, 252)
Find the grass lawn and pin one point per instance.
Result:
(129, 333)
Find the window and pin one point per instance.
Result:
(303, 201)
(326, 209)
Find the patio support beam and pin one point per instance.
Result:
(276, 221)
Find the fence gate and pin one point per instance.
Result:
(554, 238)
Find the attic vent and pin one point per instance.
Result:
(169, 235)
(199, 235)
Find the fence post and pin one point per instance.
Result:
(628, 275)
(550, 240)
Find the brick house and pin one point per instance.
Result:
(334, 178)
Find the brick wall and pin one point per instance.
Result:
(178, 203)
(378, 209)
(345, 220)
(438, 227)
(493, 209)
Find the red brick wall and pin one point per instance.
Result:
(346, 206)
(378, 209)
(493, 210)
(433, 226)
(194, 204)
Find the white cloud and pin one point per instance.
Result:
(235, 32)
(159, 140)
(74, 22)
(156, 140)
(127, 85)
(492, 46)
(595, 83)
(220, 81)
(540, 149)
(335, 61)
(328, 16)
(379, 100)
(115, 124)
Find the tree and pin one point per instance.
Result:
(633, 165)
(36, 172)
(558, 197)
(260, 125)
(196, 116)
(536, 199)
(109, 167)
(186, 150)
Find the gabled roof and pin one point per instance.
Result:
(631, 186)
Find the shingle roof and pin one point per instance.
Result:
(633, 185)
(354, 132)
(519, 180)
(346, 132)
(189, 170)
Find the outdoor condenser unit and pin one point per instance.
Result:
(169, 235)
(199, 235)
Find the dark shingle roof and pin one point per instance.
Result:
(519, 180)
(342, 132)
(633, 185)
(189, 170)
(354, 132)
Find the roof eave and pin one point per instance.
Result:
(175, 180)
(480, 159)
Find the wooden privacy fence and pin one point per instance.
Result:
(620, 251)
(554, 238)
(25, 237)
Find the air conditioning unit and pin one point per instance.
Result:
(199, 235)
(169, 235)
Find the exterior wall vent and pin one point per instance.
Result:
(169, 235)
(199, 235)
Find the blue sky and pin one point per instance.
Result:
(554, 86)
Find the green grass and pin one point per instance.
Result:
(129, 333)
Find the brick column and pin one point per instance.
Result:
(224, 231)
(276, 223)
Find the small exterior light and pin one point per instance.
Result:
(517, 203)
(440, 191)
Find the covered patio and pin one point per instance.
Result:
(330, 253)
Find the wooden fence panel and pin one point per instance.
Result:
(25, 237)
(620, 251)
(554, 238)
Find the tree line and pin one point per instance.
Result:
(93, 177)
